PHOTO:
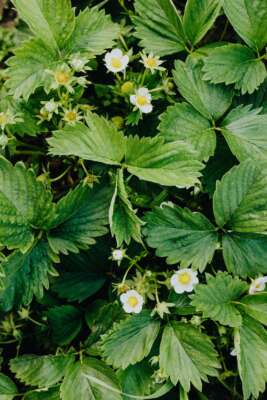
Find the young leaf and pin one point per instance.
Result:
(65, 322)
(245, 253)
(249, 20)
(8, 389)
(187, 355)
(240, 198)
(199, 17)
(251, 349)
(90, 379)
(170, 164)
(131, 340)
(159, 26)
(215, 299)
(93, 33)
(52, 22)
(40, 371)
(245, 130)
(81, 217)
(183, 123)
(255, 306)
(98, 141)
(235, 64)
(26, 275)
(124, 223)
(27, 68)
(181, 235)
(210, 100)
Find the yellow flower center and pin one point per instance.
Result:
(3, 119)
(71, 115)
(151, 62)
(116, 62)
(62, 77)
(258, 285)
(184, 278)
(132, 301)
(141, 100)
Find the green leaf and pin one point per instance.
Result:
(251, 349)
(50, 394)
(26, 275)
(98, 141)
(216, 299)
(124, 223)
(131, 340)
(90, 379)
(8, 389)
(210, 100)
(199, 17)
(159, 26)
(245, 130)
(235, 64)
(187, 355)
(66, 323)
(81, 217)
(40, 371)
(52, 22)
(27, 68)
(245, 253)
(240, 198)
(170, 164)
(255, 306)
(181, 235)
(94, 32)
(182, 122)
(136, 379)
(249, 20)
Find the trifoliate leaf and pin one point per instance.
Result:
(131, 340)
(98, 141)
(170, 164)
(240, 198)
(65, 322)
(8, 389)
(245, 253)
(249, 20)
(90, 379)
(216, 299)
(255, 306)
(182, 122)
(159, 26)
(187, 355)
(199, 16)
(26, 275)
(41, 371)
(94, 32)
(27, 68)
(52, 22)
(235, 64)
(251, 350)
(210, 100)
(82, 215)
(124, 223)
(181, 235)
(245, 131)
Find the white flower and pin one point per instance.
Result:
(132, 301)
(152, 62)
(118, 254)
(78, 63)
(184, 280)
(142, 100)
(258, 285)
(233, 353)
(50, 106)
(115, 60)
(71, 116)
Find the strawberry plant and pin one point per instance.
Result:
(133, 199)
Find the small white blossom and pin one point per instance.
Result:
(62, 77)
(142, 100)
(8, 118)
(184, 280)
(118, 254)
(152, 62)
(50, 106)
(132, 301)
(71, 116)
(116, 61)
(258, 285)
(78, 63)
